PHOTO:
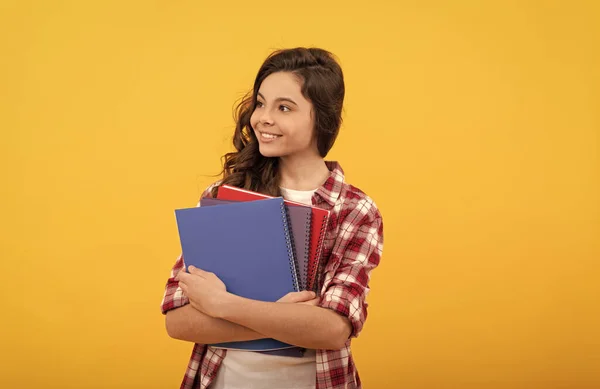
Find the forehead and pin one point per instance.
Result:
(281, 84)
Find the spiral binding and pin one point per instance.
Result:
(290, 244)
(314, 271)
(304, 282)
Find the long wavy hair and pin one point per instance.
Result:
(322, 83)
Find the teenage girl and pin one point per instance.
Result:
(284, 129)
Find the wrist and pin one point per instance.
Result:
(226, 306)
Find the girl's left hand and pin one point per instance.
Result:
(205, 290)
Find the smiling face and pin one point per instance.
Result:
(282, 119)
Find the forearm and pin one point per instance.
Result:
(189, 324)
(298, 324)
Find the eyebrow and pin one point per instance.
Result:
(280, 99)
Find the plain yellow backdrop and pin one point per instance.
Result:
(474, 125)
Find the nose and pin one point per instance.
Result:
(265, 117)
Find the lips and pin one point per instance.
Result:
(267, 136)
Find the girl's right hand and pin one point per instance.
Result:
(304, 297)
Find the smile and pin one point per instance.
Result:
(268, 136)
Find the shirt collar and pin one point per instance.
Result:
(332, 188)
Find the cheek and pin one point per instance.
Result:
(308, 132)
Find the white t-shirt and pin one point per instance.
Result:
(250, 370)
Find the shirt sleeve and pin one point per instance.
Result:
(173, 296)
(346, 292)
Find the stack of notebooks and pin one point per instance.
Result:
(261, 247)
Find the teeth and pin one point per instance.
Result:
(269, 136)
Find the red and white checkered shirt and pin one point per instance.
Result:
(351, 250)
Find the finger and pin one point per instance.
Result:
(305, 295)
(179, 273)
(283, 299)
(182, 276)
(298, 297)
(287, 298)
(199, 272)
(183, 287)
(314, 302)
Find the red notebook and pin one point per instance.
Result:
(319, 219)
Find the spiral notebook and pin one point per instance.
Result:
(319, 220)
(300, 218)
(248, 246)
(300, 222)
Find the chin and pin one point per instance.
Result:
(268, 152)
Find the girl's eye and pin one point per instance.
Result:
(284, 108)
(259, 104)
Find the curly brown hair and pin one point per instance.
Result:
(322, 84)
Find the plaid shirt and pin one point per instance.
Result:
(351, 250)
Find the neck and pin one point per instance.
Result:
(302, 174)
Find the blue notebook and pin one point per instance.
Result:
(248, 246)
(299, 226)
(299, 223)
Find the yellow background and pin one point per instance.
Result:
(474, 125)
